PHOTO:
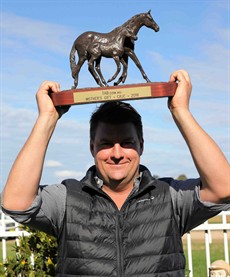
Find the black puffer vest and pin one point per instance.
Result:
(141, 239)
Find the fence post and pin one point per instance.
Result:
(189, 250)
(3, 228)
(226, 253)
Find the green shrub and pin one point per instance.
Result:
(36, 256)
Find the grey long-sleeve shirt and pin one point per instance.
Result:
(48, 208)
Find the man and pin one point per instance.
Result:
(118, 220)
(219, 268)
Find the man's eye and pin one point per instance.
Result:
(127, 143)
(106, 144)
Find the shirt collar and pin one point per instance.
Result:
(136, 185)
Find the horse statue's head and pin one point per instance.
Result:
(140, 20)
(149, 22)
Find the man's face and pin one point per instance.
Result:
(116, 150)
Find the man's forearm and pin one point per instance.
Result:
(209, 160)
(23, 181)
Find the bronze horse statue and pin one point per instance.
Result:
(113, 49)
(88, 43)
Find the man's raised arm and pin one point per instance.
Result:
(209, 160)
(22, 185)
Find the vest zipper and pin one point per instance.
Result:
(120, 254)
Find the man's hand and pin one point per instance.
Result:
(45, 104)
(182, 96)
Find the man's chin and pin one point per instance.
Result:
(116, 180)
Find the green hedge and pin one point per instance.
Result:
(38, 246)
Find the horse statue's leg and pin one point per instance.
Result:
(122, 78)
(93, 72)
(98, 69)
(133, 56)
(75, 68)
(117, 61)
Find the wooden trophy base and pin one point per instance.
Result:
(104, 94)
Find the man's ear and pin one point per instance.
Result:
(92, 147)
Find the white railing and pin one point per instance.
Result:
(207, 229)
(10, 229)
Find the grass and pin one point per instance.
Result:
(10, 254)
(9, 249)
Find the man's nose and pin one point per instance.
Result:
(117, 151)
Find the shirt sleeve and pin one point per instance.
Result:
(190, 211)
(47, 211)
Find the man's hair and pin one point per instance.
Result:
(116, 112)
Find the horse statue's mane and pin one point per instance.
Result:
(129, 21)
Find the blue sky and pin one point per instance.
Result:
(36, 38)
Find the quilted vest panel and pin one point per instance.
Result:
(141, 239)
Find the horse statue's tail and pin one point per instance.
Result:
(72, 59)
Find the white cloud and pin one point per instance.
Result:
(69, 174)
(209, 69)
(35, 33)
(15, 121)
(52, 163)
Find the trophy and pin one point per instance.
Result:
(119, 45)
